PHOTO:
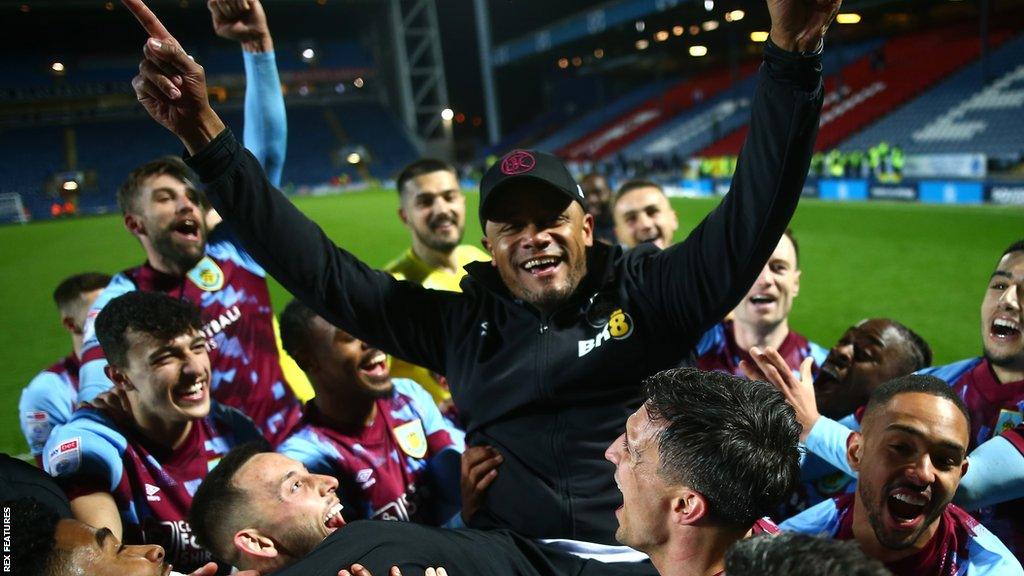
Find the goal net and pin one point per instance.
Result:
(12, 209)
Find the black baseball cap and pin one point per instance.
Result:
(528, 165)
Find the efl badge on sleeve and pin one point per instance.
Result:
(37, 426)
(66, 457)
(412, 439)
(207, 275)
(1007, 419)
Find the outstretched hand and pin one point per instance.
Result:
(243, 21)
(771, 367)
(799, 25)
(171, 86)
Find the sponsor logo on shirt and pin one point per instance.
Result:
(207, 275)
(619, 327)
(363, 475)
(412, 439)
(220, 323)
(151, 493)
(66, 457)
(37, 428)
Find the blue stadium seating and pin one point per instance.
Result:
(960, 114)
(602, 115)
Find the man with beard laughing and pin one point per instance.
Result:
(910, 455)
(394, 455)
(643, 214)
(135, 473)
(166, 212)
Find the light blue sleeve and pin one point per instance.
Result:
(827, 440)
(995, 474)
(265, 133)
(316, 456)
(92, 379)
(818, 352)
(710, 340)
(87, 446)
(987, 556)
(44, 404)
(822, 519)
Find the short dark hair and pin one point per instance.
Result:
(158, 315)
(419, 168)
(219, 506)
(296, 328)
(169, 165)
(920, 352)
(919, 383)
(69, 292)
(635, 184)
(796, 554)
(733, 440)
(1017, 246)
(33, 529)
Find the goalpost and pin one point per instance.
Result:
(12, 209)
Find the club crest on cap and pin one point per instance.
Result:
(517, 162)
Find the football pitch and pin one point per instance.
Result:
(926, 266)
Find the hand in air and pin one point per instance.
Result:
(771, 367)
(210, 569)
(799, 25)
(171, 86)
(240, 20)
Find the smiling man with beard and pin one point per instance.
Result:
(135, 474)
(166, 212)
(911, 455)
(643, 213)
(384, 440)
(533, 347)
(433, 208)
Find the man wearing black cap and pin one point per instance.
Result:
(546, 346)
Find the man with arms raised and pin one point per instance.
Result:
(52, 395)
(643, 214)
(135, 474)
(700, 464)
(432, 207)
(533, 347)
(910, 455)
(762, 319)
(189, 256)
(384, 439)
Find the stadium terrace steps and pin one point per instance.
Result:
(613, 136)
(960, 114)
(678, 118)
(595, 119)
(878, 83)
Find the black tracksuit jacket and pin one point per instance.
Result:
(550, 392)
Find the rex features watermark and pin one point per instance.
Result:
(7, 540)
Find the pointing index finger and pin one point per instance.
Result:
(149, 21)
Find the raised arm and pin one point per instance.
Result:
(695, 283)
(401, 318)
(996, 472)
(266, 125)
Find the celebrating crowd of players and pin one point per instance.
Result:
(584, 396)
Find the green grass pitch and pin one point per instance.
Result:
(924, 265)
